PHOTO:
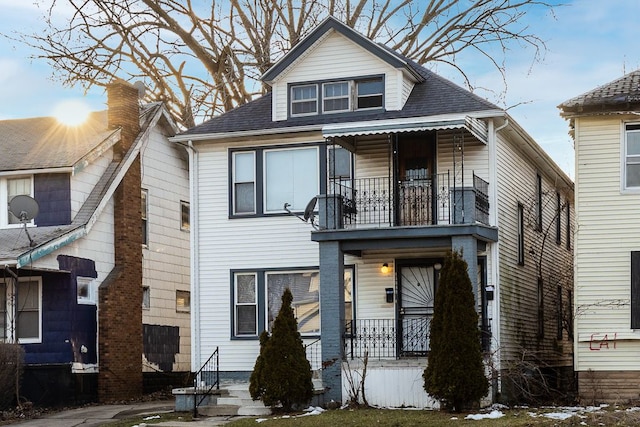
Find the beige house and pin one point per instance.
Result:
(605, 126)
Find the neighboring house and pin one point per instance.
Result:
(96, 287)
(605, 125)
(405, 166)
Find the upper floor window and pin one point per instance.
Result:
(336, 96)
(184, 216)
(144, 195)
(263, 180)
(538, 202)
(9, 188)
(520, 237)
(631, 166)
(304, 100)
(558, 218)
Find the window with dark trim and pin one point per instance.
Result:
(144, 195)
(257, 298)
(336, 96)
(520, 234)
(538, 202)
(635, 289)
(570, 313)
(558, 219)
(263, 180)
(568, 229)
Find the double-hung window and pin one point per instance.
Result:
(144, 209)
(336, 96)
(21, 310)
(520, 235)
(263, 180)
(257, 299)
(9, 188)
(369, 93)
(304, 100)
(631, 175)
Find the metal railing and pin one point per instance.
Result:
(313, 351)
(386, 338)
(481, 188)
(207, 377)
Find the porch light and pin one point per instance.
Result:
(385, 268)
(437, 266)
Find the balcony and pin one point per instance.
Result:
(376, 203)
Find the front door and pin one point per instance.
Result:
(415, 173)
(416, 297)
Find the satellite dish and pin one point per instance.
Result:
(25, 208)
(308, 215)
(308, 211)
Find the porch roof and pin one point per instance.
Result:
(415, 124)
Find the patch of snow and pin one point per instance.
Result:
(558, 415)
(153, 417)
(491, 415)
(261, 420)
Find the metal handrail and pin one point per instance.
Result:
(213, 363)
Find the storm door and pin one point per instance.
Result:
(416, 287)
(415, 174)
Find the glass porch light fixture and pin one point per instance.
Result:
(385, 268)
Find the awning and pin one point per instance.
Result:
(375, 127)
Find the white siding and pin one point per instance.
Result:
(165, 267)
(83, 182)
(608, 230)
(347, 60)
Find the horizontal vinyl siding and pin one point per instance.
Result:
(372, 158)
(239, 243)
(347, 59)
(475, 155)
(518, 284)
(609, 229)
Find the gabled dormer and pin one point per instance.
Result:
(335, 70)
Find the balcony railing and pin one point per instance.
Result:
(377, 202)
(386, 339)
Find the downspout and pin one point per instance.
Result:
(495, 252)
(195, 259)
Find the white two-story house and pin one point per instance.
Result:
(605, 126)
(348, 182)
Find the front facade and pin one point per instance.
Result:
(72, 290)
(348, 183)
(605, 127)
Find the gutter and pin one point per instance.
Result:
(189, 139)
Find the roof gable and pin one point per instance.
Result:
(328, 25)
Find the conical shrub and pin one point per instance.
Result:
(282, 373)
(455, 373)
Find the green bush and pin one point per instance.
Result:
(11, 362)
(455, 373)
(282, 373)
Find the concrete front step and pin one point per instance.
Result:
(235, 399)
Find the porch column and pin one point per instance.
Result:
(332, 318)
(469, 248)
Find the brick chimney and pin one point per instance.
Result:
(120, 294)
(123, 112)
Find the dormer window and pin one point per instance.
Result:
(304, 100)
(336, 96)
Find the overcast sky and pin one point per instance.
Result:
(590, 43)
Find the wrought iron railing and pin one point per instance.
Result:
(313, 351)
(387, 338)
(206, 379)
(481, 188)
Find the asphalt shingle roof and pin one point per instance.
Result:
(435, 95)
(42, 142)
(620, 94)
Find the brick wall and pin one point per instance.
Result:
(120, 295)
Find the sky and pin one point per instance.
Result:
(589, 43)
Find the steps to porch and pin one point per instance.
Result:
(230, 400)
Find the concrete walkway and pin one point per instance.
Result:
(95, 416)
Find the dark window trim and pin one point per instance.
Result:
(540, 295)
(568, 216)
(629, 127)
(261, 279)
(538, 202)
(559, 313)
(320, 99)
(520, 234)
(145, 218)
(570, 313)
(635, 289)
(259, 159)
(558, 219)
